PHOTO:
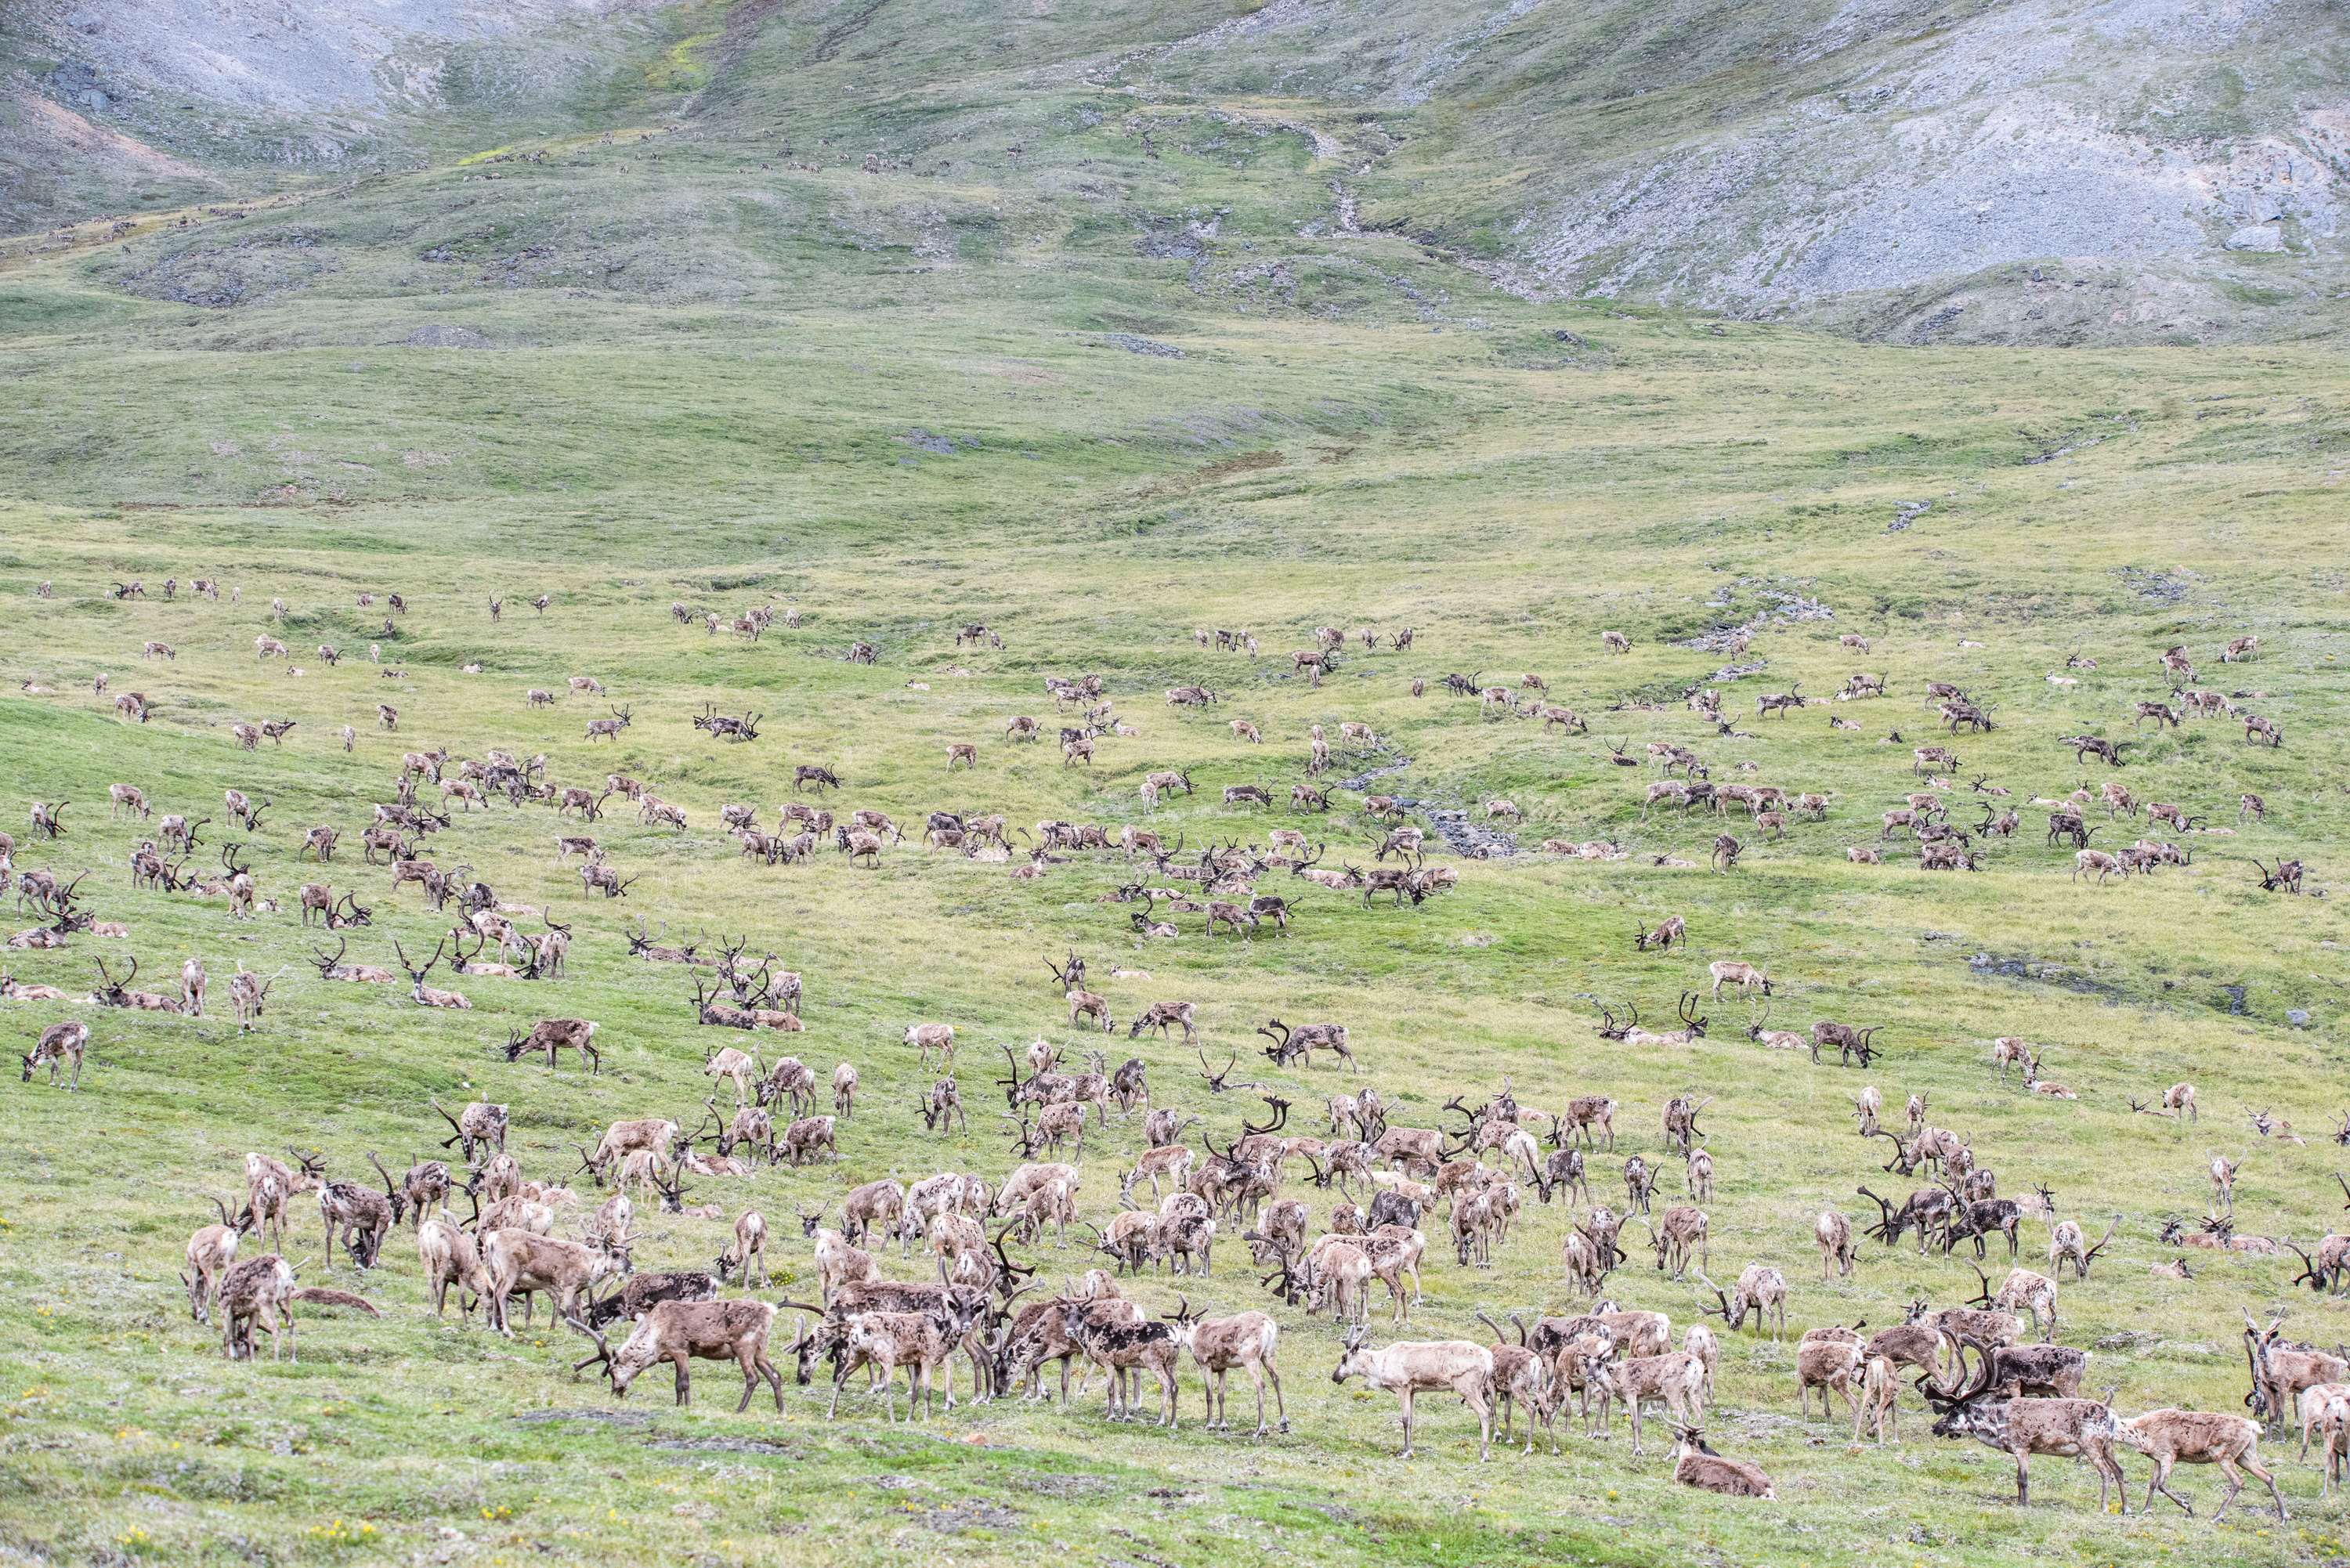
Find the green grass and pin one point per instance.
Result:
(729, 423)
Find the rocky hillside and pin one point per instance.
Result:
(1904, 163)
(2052, 170)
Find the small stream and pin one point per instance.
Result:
(1473, 839)
(1361, 783)
(1463, 836)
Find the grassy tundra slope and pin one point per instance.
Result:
(898, 406)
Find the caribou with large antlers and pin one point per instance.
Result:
(1299, 1044)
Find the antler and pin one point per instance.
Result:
(1901, 1157)
(1280, 1117)
(2102, 1240)
(1291, 1290)
(1984, 1298)
(1216, 1081)
(710, 1119)
(1010, 1269)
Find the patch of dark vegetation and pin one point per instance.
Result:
(1134, 345)
(2022, 966)
(841, 31)
(1052, 1485)
(254, 273)
(972, 1513)
(2162, 587)
(730, 1446)
(1169, 247)
(1154, 326)
(1925, 331)
(445, 334)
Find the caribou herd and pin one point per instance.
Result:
(1312, 1218)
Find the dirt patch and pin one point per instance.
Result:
(1245, 462)
(1176, 484)
(96, 141)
